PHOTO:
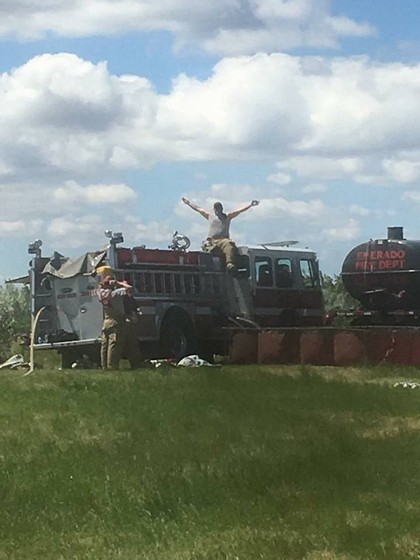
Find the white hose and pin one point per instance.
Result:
(31, 350)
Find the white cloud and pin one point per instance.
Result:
(403, 171)
(413, 196)
(17, 228)
(71, 232)
(359, 210)
(69, 114)
(219, 26)
(322, 166)
(319, 119)
(94, 194)
(314, 188)
(86, 231)
(349, 231)
(234, 193)
(152, 232)
(313, 209)
(68, 126)
(279, 178)
(12, 227)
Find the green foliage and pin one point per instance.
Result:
(273, 462)
(15, 316)
(335, 294)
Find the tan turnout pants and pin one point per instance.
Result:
(225, 247)
(112, 343)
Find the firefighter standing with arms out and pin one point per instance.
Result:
(218, 238)
(115, 336)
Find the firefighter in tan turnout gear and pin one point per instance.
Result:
(116, 337)
(218, 238)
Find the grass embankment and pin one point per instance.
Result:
(230, 463)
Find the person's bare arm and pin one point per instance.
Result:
(124, 284)
(244, 209)
(120, 284)
(201, 211)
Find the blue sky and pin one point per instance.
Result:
(111, 111)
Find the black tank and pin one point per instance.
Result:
(384, 274)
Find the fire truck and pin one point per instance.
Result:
(188, 303)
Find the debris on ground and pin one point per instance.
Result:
(407, 385)
(14, 362)
(188, 361)
(194, 361)
(161, 362)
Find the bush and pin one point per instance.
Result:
(335, 295)
(15, 316)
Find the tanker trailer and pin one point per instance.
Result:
(383, 275)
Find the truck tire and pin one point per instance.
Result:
(177, 337)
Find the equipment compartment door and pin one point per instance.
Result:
(78, 307)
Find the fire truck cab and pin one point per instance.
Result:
(187, 300)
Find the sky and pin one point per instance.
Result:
(111, 111)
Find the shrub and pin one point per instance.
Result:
(15, 316)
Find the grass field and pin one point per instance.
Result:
(228, 463)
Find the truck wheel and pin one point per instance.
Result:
(176, 338)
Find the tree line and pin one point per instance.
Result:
(335, 295)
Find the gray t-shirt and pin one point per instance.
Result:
(219, 227)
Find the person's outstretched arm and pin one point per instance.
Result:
(201, 211)
(244, 209)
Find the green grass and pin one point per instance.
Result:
(228, 463)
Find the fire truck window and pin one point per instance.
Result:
(283, 271)
(263, 272)
(307, 272)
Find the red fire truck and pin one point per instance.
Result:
(188, 302)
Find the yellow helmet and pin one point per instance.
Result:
(104, 270)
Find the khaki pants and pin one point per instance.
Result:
(112, 343)
(226, 248)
